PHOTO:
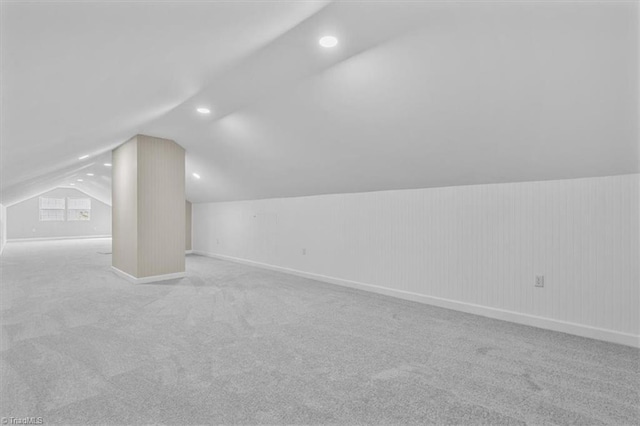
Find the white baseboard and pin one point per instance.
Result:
(511, 316)
(144, 280)
(79, 237)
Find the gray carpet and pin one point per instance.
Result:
(235, 344)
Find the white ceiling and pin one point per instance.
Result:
(415, 94)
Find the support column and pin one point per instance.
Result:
(148, 209)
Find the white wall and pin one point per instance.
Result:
(473, 248)
(23, 219)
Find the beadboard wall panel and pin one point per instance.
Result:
(187, 229)
(149, 208)
(477, 246)
(124, 215)
(161, 207)
(3, 227)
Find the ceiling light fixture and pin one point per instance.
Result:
(328, 41)
(197, 176)
(203, 110)
(79, 180)
(83, 157)
(107, 164)
(72, 184)
(89, 174)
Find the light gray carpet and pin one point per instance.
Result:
(235, 344)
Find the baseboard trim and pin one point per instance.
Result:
(144, 280)
(79, 237)
(495, 313)
(188, 251)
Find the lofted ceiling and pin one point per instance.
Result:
(416, 94)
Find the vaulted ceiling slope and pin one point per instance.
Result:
(416, 94)
(82, 77)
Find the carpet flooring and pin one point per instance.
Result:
(234, 344)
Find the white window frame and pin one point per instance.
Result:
(78, 209)
(51, 209)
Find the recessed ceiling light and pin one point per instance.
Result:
(328, 41)
(89, 174)
(203, 110)
(197, 176)
(72, 184)
(107, 164)
(79, 180)
(83, 157)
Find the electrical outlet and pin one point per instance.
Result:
(304, 251)
(539, 280)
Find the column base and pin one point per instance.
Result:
(144, 280)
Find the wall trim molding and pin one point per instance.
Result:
(79, 237)
(485, 311)
(18, 201)
(151, 279)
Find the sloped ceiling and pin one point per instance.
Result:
(414, 95)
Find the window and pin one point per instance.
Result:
(51, 209)
(79, 209)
